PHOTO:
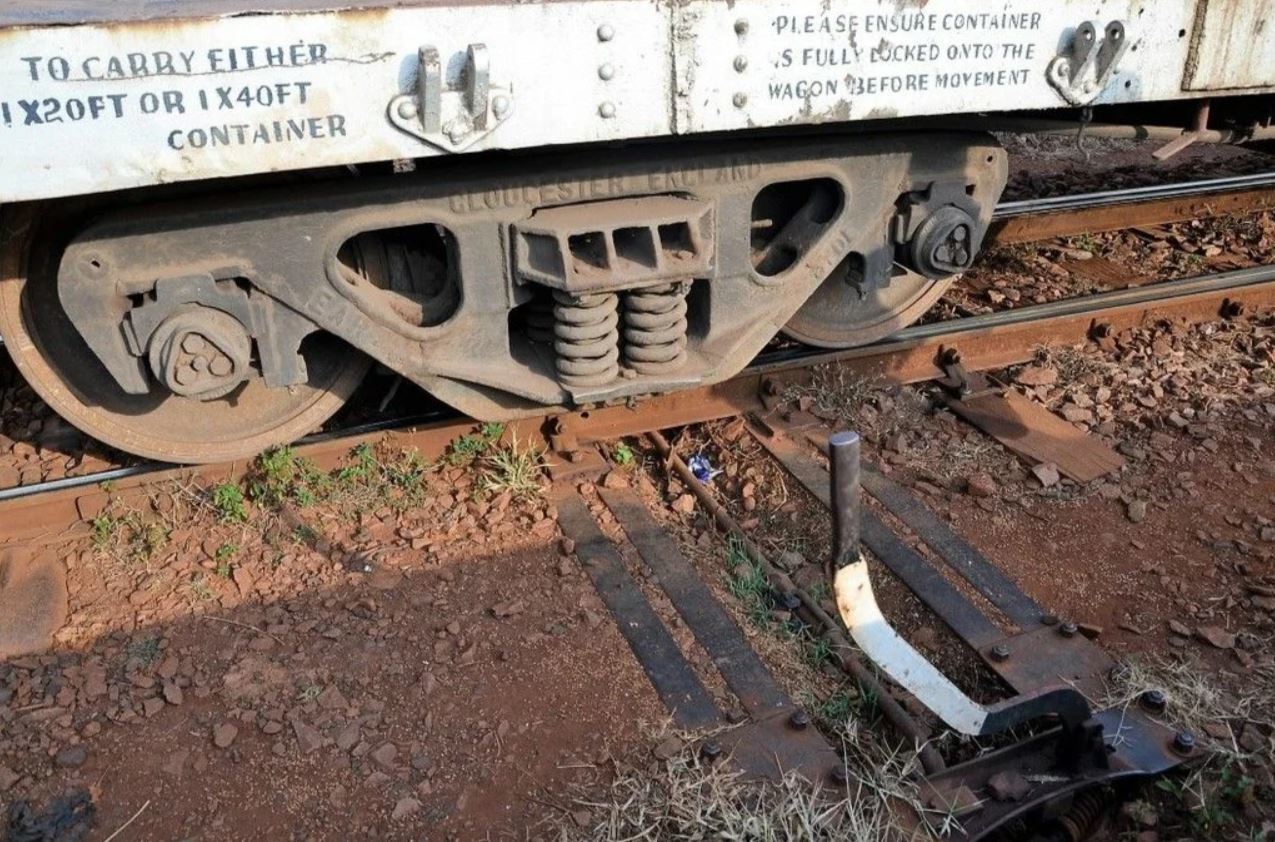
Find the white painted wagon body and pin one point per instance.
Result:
(101, 96)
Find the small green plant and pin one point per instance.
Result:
(362, 469)
(1086, 242)
(148, 540)
(145, 651)
(104, 526)
(835, 709)
(623, 455)
(469, 447)
(514, 469)
(199, 589)
(305, 534)
(816, 651)
(229, 502)
(281, 476)
(748, 583)
(225, 553)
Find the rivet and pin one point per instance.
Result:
(500, 106)
(741, 27)
(407, 110)
(840, 776)
(1049, 620)
(606, 72)
(741, 63)
(606, 32)
(740, 100)
(607, 110)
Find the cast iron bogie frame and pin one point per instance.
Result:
(288, 245)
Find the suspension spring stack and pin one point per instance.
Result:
(587, 338)
(538, 317)
(655, 328)
(1086, 813)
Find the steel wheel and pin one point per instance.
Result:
(48, 351)
(838, 316)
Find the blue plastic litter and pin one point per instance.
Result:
(702, 468)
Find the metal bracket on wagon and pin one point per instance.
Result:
(453, 117)
(1081, 71)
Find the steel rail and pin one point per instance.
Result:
(1033, 220)
(987, 341)
(1131, 195)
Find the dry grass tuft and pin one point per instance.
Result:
(1197, 700)
(686, 798)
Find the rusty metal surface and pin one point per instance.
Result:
(1044, 226)
(679, 688)
(1137, 748)
(1044, 657)
(1032, 431)
(748, 677)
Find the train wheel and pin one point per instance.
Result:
(841, 315)
(59, 366)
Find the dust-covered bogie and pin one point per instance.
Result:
(537, 285)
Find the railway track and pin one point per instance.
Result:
(916, 354)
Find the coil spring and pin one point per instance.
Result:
(586, 338)
(538, 317)
(655, 328)
(1087, 810)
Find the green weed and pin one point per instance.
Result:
(623, 455)
(228, 500)
(280, 476)
(145, 651)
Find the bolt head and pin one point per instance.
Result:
(741, 63)
(606, 110)
(799, 721)
(1154, 700)
(1068, 629)
(1184, 742)
(606, 32)
(741, 27)
(407, 110)
(500, 106)
(711, 750)
(740, 100)
(840, 775)
(606, 72)
(1000, 652)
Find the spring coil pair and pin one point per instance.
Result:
(586, 333)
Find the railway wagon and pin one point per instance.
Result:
(218, 213)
